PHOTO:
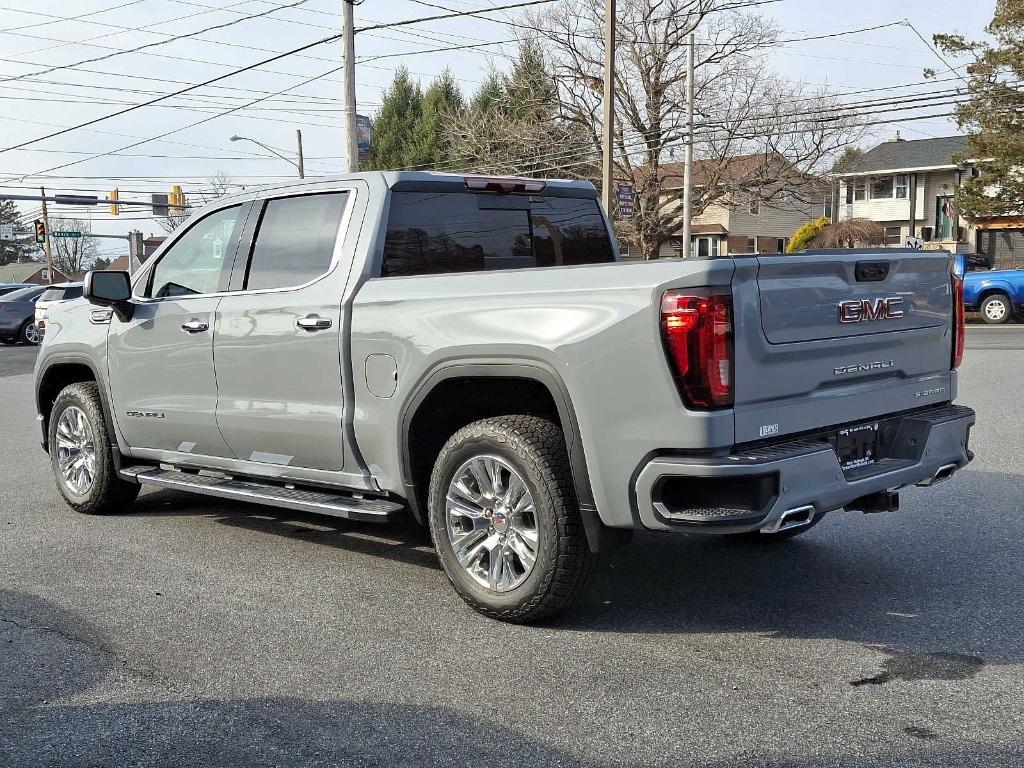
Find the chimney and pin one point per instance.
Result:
(897, 137)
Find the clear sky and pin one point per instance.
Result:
(35, 37)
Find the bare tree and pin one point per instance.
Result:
(218, 185)
(758, 138)
(71, 255)
(850, 233)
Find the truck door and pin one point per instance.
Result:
(161, 361)
(279, 338)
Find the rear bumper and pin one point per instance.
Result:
(753, 489)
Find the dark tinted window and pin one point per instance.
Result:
(72, 292)
(435, 232)
(295, 242)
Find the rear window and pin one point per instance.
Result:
(437, 232)
(20, 294)
(53, 294)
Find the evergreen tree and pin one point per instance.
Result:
(13, 250)
(488, 94)
(994, 115)
(394, 127)
(442, 100)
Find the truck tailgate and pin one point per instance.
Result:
(836, 337)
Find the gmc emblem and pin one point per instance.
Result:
(887, 308)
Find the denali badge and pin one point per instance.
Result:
(870, 309)
(858, 367)
(145, 414)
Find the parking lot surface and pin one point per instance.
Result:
(199, 632)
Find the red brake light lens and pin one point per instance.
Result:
(698, 337)
(959, 327)
(503, 184)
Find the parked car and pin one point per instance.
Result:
(6, 288)
(998, 294)
(467, 351)
(55, 294)
(17, 315)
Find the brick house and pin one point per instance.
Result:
(30, 272)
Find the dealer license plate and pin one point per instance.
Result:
(856, 446)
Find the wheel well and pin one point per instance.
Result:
(456, 402)
(992, 292)
(54, 380)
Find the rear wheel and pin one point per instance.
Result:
(996, 309)
(29, 333)
(81, 454)
(505, 521)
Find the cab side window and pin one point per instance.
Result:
(295, 240)
(198, 262)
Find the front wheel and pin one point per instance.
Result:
(505, 521)
(996, 309)
(81, 454)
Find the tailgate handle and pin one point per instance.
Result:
(871, 271)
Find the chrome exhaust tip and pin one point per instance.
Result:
(942, 473)
(791, 518)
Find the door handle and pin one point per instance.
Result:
(314, 323)
(194, 326)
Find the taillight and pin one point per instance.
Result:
(504, 184)
(698, 336)
(959, 328)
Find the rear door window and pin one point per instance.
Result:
(295, 240)
(444, 232)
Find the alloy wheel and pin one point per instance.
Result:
(76, 450)
(32, 335)
(492, 523)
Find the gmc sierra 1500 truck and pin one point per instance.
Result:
(471, 352)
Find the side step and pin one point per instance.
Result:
(321, 502)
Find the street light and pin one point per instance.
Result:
(299, 164)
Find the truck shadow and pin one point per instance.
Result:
(944, 574)
(52, 656)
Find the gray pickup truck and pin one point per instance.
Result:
(471, 352)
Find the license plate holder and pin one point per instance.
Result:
(857, 446)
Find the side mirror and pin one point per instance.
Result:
(110, 289)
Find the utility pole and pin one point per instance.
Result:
(302, 163)
(348, 83)
(608, 133)
(688, 151)
(46, 241)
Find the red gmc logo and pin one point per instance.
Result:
(870, 309)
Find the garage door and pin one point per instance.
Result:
(1004, 246)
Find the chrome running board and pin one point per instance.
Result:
(322, 502)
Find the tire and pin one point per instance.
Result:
(996, 309)
(29, 334)
(105, 493)
(9, 342)
(550, 528)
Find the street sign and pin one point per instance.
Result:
(627, 200)
(65, 234)
(6, 231)
(915, 242)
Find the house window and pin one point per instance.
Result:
(780, 244)
(893, 235)
(751, 245)
(881, 187)
(755, 208)
(855, 190)
(901, 186)
(826, 209)
(705, 247)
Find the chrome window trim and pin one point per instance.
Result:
(336, 256)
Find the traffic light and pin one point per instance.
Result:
(40, 231)
(177, 198)
(160, 205)
(114, 207)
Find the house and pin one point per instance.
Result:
(30, 272)
(739, 222)
(909, 187)
(150, 244)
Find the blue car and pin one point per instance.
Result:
(17, 315)
(998, 294)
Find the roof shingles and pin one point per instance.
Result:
(907, 155)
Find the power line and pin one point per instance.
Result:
(150, 45)
(933, 50)
(73, 18)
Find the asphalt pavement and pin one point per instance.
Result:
(196, 632)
